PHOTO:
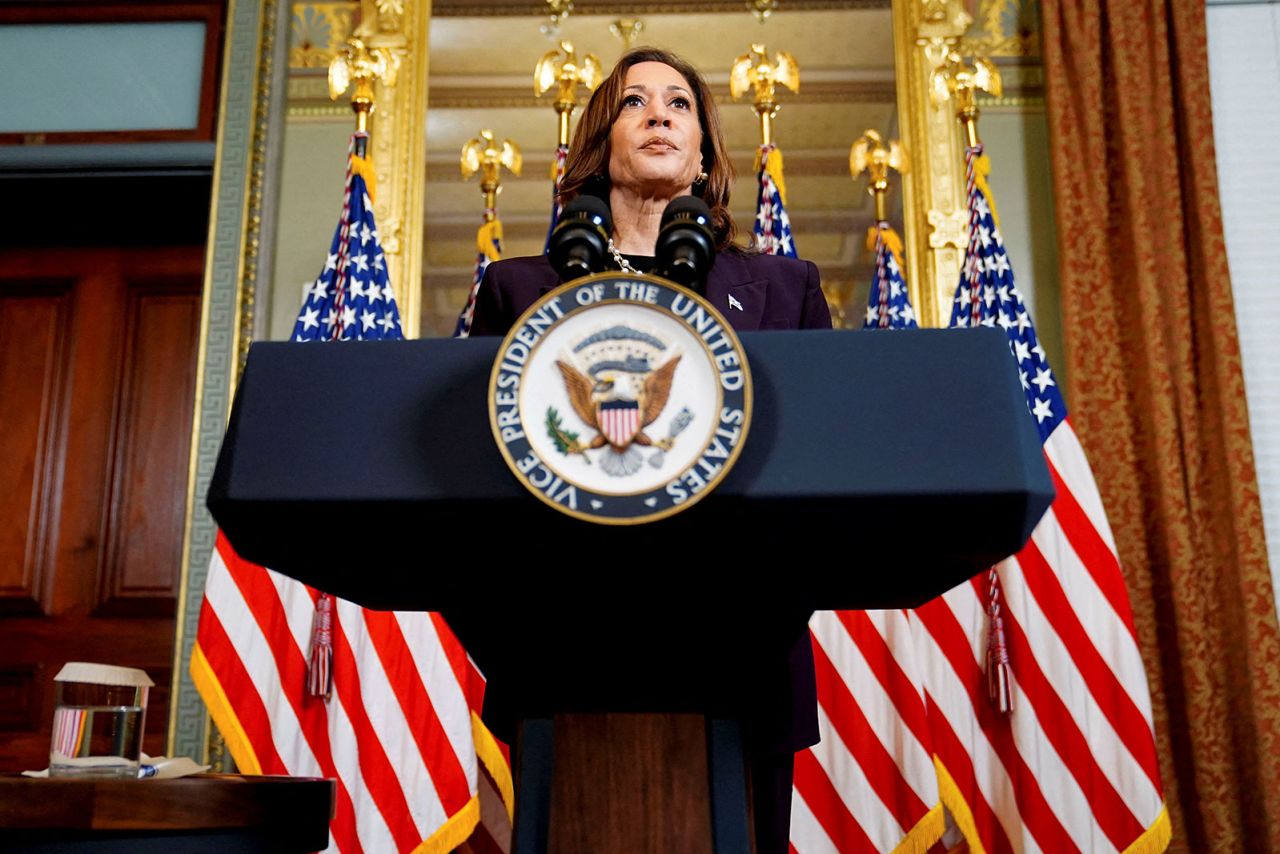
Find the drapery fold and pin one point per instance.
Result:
(1157, 397)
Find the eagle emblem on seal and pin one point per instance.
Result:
(618, 381)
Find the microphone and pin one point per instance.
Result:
(580, 239)
(686, 245)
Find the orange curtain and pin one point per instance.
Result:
(1157, 397)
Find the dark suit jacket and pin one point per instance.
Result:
(754, 292)
(751, 291)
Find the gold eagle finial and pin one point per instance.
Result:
(870, 153)
(563, 66)
(486, 155)
(361, 65)
(754, 70)
(958, 80)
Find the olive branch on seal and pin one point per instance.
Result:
(566, 441)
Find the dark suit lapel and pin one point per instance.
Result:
(734, 294)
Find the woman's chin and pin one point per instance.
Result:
(656, 187)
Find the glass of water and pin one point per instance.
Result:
(98, 715)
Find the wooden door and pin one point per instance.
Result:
(97, 381)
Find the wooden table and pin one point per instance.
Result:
(203, 813)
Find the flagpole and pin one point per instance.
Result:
(960, 81)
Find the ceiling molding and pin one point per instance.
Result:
(517, 8)
(309, 88)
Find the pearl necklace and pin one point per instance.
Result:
(623, 264)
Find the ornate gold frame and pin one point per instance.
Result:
(933, 207)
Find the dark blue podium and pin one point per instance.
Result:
(881, 469)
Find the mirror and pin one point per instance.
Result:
(481, 76)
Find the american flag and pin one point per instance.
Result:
(888, 305)
(869, 784)
(557, 177)
(488, 250)
(401, 734)
(1037, 699)
(1070, 765)
(773, 226)
(352, 299)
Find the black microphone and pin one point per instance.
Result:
(686, 244)
(581, 238)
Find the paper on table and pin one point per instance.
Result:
(156, 768)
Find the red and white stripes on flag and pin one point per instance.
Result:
(401, 734)
(1062, 756)
(869, 784)
(1073, 766)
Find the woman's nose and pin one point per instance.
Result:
(658, 115)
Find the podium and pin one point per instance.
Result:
(880, 471)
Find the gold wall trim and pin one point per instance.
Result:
(505, 8)
(334, 112)
(934, 216)
(227, 301)
(399, 147)
(1007, 104)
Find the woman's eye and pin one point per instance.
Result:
(680, 103)
(633, 101)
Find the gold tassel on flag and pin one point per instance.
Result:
(320, 654)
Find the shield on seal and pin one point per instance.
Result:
(619, 421)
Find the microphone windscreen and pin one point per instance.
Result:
(580, 239)
(687, 207)
(588, 207)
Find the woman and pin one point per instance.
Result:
(649, 134)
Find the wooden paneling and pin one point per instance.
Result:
(149, 474)
(279, 814)
(615, 772)
(20, 698)
(121, 400)
(33, 354)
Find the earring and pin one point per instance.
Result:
(701, 179)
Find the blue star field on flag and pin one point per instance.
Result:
(987, 296)
(888, 304)
(352, 299)
(773, 226)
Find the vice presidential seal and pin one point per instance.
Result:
(620, 398)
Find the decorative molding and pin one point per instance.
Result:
(230, 257)
(318, 32)
(139, 420)
(1004, 28)
(398, 137)
(505, 8)
(47, 345)
(933, 192)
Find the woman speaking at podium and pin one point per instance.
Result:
(651, 134)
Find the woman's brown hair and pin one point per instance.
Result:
(587, 165)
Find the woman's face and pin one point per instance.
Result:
(655, 146)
